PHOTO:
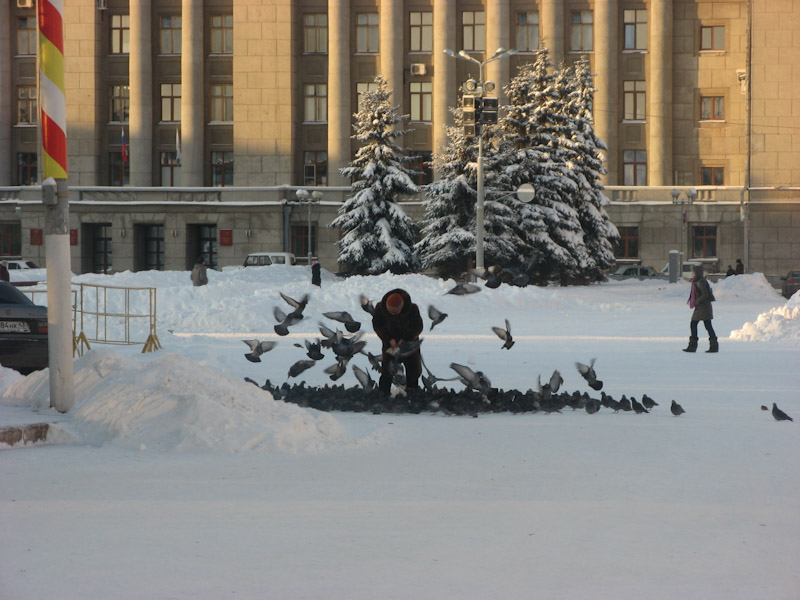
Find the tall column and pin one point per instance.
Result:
(140, 69)
(192, 93)
(552, 28)
(498, 26)
(659, 94)
(339, 111)
(606, 57)
(391, 48)
(445, 86)
(6, 120)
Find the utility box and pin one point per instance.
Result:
(674, 266)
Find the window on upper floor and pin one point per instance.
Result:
(315, 167)
(421, 100)
(712, 108)
(527, 31)
(170, 34)
(421, 162)
(171, 102)
(170, 169)
(367, 39)
(420, 31)
(222, 102)
(316, 102)
(119, 170)
(581, 31)
(634, 167)
(315, 33)
(27, 168)
(221, 168)
(712, 37)
(712, 176)
(119, 103)
(26, 36)
(222, 34)
(120, 34)
(634, 95)
(635, 22)
(27, 106)
(473, 30)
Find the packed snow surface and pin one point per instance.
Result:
(172, 477)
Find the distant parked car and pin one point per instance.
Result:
(20, 264)
(23, 331)
(637, 272)
(260, 259)
(687, 271)
(791, 283)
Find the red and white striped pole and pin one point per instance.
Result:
(55, 197)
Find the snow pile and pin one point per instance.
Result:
(781, 323)
(169, 404)
(753, 285)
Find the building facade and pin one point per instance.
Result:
(242, 101)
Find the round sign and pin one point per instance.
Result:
(526, 192)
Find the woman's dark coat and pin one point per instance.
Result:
(703, 297)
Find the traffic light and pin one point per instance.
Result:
(471, 111)
(488, 111)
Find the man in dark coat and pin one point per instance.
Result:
(316, 276)
(739, 267)
(700, 299)
(397, 320)
(199, 272)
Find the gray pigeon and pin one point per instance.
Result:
(374, 360)
(463, 288)
(779, 414)
(300, 366)
(589, 374)
(625, 404)
(337, 369)
(366, 305)
(364, 379)
(284, 321)
(638, 408)
(313, 350)
(545, 392)
(475, 380)
(298, 306)
(435, 316)
(429, 380)
(648, 402)
(344, 317)
(555, 381)
(676, 409)
(505, 335)
(491, 275)
(257, 349)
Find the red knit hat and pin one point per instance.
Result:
(394, 302)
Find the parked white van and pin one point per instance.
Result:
(262, 259)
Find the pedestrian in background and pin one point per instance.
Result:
(199, 272)
(739, 267)
(316, 278)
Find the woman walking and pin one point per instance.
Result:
(700, 299)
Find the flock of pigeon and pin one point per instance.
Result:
(478, 395)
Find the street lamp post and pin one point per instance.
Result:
(479, 88)
(309, 199)
(689, 198)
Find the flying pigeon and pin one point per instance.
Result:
(555, 381)
(364, 379)
(648, 402)
(435, 316)
(313, 350)
(298, 306)
(676, 409)
(300, 366)
(464, 288)
(345, 348)
(429, 379)
(545, 391)
(491, 276)
(257, 349)
(337, 369)
(374, 360)
(366, 305)
(505, 335)
(589, 374)
(344, 317)
(472, 379)
(779, 414)
(284, 321)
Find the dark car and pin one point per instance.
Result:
(23, 331)
(791, 283)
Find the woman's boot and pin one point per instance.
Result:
(713, 345)
(692, 347)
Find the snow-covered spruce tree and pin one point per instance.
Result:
(531, 151)
(377, 234)
(448, 231)
(587, 167)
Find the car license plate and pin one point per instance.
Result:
(14, 327)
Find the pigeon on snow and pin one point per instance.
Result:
(435, 316)
(589, 374)
(779, 414)
(638, 408)
(463, 288)
(505, 335)
(676, 409)
(258, 348)
(364, 379)
(475, 380)
(648, 402)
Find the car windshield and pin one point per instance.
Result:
(11, 295)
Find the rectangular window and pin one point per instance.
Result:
(421, 31)
(222, 102)
(10, 239)
(27, 107)
(100, 246)
(628, 244)
(704, 241)
(712, 176)
(207, 241)
(170, 169)
(712, 38)
(364, 87)
(221, 169)
(27, 170)
(149, 240)
(634, 164)
(421, 162)
(712, 108)
(315, 168)
(527, 31)
(473, 30)
(171, 34)
(222, 34)
(299, 240)
(120, 34)
(635, 29)
(634, 97)
(421, 100)
(315, 33)
(119, 103)
(316, 102)
(367, 40)
(171, 102)
(26, 36)
(581, 32)
(119, 172)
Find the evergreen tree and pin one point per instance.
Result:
(377, 234)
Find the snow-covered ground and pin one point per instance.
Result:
(171, 477)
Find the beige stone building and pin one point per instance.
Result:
(227, 107)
